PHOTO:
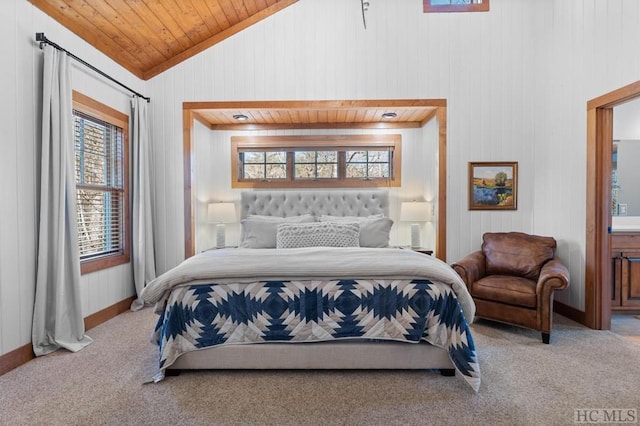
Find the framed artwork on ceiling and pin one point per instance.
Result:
(493, 185)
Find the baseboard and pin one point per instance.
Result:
(24, 354)
(107, 313)
(16, 358)
(569, 312)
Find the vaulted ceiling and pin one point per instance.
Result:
(148, 37)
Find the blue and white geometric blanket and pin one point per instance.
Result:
(233, 296)
(203, 315)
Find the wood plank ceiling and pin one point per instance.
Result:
(148, 37)
(272, 115)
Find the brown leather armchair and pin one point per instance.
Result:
(513, 277)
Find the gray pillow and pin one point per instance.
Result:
(260, 231)
(318, 234)
(374, 229)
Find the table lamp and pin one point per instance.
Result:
(221, 213)
(415, 212)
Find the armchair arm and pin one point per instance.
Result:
(553, 276)
(471, 268)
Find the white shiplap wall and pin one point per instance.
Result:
(20, 112)
(517, 80)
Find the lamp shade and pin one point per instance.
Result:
(221, 213)
(415, 211)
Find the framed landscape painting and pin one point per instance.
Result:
(493, 185)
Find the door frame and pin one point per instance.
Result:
(599, 150)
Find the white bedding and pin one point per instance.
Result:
(312, 263)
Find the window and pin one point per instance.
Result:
(455, 6)
(315, 165)
(371, 164)
(102, 195)
(264, 165)
(316, 161)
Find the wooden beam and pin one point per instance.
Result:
(315, 105)
(187, 152)
(441, 237)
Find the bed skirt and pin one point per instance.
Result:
(347, 354)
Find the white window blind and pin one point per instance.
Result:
(99, 152)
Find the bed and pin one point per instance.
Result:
(314, 285)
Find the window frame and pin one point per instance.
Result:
(427, 7)
(100, 111)
(341, 143)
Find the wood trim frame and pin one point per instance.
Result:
(103, 112)
(599, 151)
(337, 141)
(441, 232)
(427, 7)
(190, 114)
(24, 354)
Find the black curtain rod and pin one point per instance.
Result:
(44, 40)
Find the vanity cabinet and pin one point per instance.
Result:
(625, 257)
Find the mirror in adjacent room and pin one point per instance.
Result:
(625, 171)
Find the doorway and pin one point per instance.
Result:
(599, 154)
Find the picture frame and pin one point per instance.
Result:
(493, 185)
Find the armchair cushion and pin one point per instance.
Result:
(506, 289)
(516, 253)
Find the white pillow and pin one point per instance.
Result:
(318, 234)
(374, 229)
(260, 231)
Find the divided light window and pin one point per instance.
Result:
(316, 161)
(431, 6)
(101, 164)
(315, 165)
(262, 165)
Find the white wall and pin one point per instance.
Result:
(517, 80)
(20, 112)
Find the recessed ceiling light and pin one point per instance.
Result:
(389, 115)
(240, 117)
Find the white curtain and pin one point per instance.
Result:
(144, 269)
(57, 314)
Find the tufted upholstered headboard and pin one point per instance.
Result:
(295, 203)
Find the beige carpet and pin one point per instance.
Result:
(524, 382)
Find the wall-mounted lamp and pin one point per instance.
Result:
(221, 213)
(415, 212)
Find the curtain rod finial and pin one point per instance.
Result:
(40, 37)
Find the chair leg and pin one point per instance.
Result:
(546, 337)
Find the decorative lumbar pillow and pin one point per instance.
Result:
(318, 234)
(260, 231)
(374, 229)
